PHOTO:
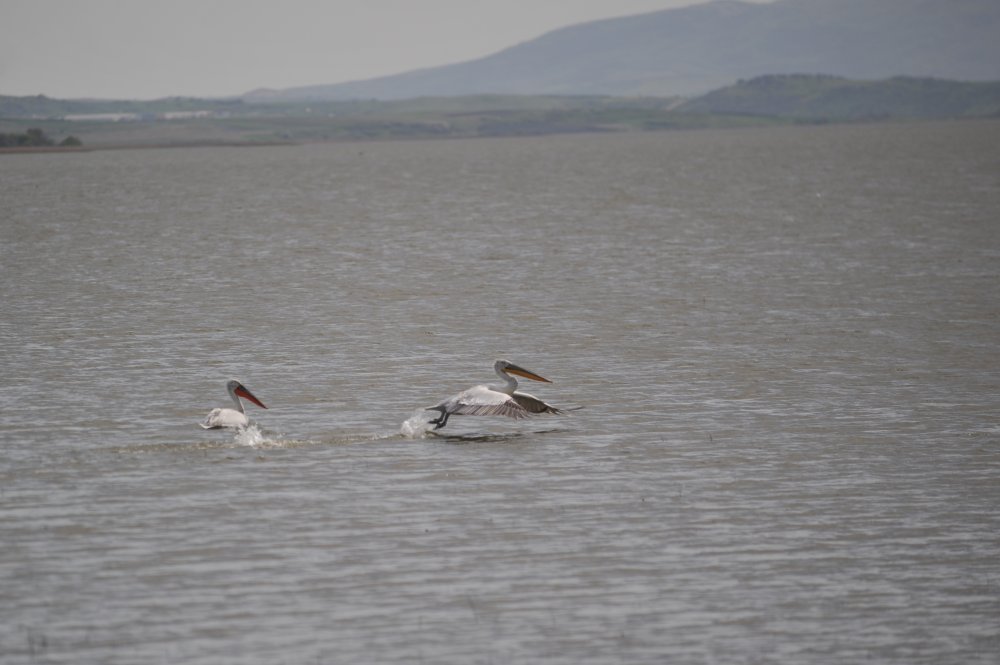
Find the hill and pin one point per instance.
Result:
(832, 98)
(695, 49)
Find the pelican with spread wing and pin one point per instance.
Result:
(503, 400)
(232, 418)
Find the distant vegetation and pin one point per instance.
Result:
(815, 97)
(766, 100)
(34, 138)
(40, 106)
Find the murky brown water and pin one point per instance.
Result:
(786, 343)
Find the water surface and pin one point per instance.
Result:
(785, 343)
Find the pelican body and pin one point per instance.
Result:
(503, 400)
(232, 418)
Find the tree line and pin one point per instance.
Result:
(34, 138)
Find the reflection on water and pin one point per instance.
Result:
(786, 342)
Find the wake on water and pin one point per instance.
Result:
(252, 436)
(417, 426)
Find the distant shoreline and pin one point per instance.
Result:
(43, 148)
(764, 101)
(694, 122)
(138, 146)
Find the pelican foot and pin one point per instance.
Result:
(441, 420)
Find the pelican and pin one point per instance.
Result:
(234, 418)
(502, 400)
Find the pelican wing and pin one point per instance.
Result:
(483, 401)
(532, 404)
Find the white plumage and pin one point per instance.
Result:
(502, 400)
(232, 418)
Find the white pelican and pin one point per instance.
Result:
(234, 418)
(495, 400)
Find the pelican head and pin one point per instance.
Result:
(507, 367)
(237, 389)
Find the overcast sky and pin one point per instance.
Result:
(144, 49)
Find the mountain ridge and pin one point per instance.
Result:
(695, 49)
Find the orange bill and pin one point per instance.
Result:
(246, 394)
(520, 371)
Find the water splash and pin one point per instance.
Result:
(417, 425)
(251, 436)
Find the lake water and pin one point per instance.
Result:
(786, 344)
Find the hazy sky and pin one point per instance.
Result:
(143, 49)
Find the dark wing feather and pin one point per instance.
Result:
(532, 404)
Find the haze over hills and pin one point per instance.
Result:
(696, 49)
(739, 64)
